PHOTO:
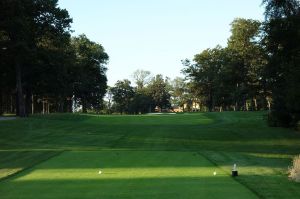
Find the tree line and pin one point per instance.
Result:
(259, 69)
(43, 68)
(231, 78)
(150, 94)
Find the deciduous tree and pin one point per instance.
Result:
(123, 94)
(158, 89)
(90, 83)
(282, 41)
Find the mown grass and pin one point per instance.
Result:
(125, 174)
(262, 154)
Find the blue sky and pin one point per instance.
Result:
(156, 35)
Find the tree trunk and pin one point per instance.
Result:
(70, 106)
(246, 106)
(1, 103)
(255, 104)
(269, 104)
(32, 104)
(73, 106)
(21, 104)
(84, 105)
(84, 109)
(28, 102)
(62, 106)
(11, 104)
(43, 106)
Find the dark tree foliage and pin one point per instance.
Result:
(232, 78)
(276, 9)
(41, 69)
(26, 27)
(247, 52)
(123, 94)
(90, 78)
(142, 102)
(282, 40)
(206, 73)
(158, 90)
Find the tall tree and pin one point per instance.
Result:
(229, 77)
(7, 77)
(91, 82)
(141, 78)
(179, 91)
(109, 97)
(27, 25)
(206, 73)
(159, 91)
(282, 41)
(245, 43)
(123, 94)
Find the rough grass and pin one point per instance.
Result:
(261, 153)
(294, 170)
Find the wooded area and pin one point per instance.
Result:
(44, 69)
(258, 70)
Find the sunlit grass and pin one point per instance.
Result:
(126, 173)
(147, 156)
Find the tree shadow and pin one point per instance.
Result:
(180, 187)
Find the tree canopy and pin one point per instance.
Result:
(40, 65)
(282, 41)
(44, 69)
(231, 78)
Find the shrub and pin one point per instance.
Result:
(294, 171)
(279, 119)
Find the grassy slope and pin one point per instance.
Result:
(262, 153)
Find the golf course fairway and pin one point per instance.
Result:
(63, 156)
(125, 174)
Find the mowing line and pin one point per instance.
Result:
(225, 171)
(234, 178)
(31, 166)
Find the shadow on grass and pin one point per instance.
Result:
(126, 174)
(159, 187)
(239, 132)
(11, 163)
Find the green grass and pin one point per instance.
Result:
(149, 156)
(125, 174)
